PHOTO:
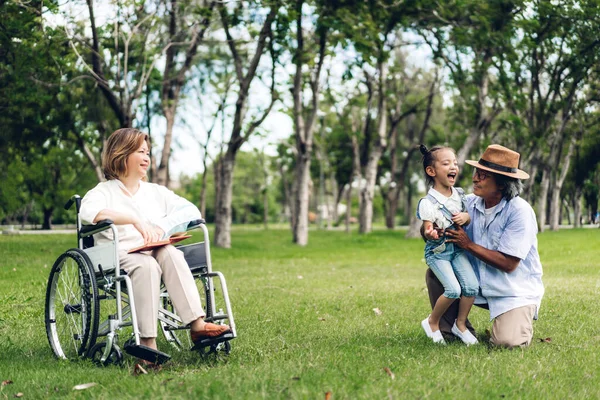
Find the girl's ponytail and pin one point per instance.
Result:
(423, 149)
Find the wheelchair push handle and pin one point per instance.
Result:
(74, 199)
(195, 223)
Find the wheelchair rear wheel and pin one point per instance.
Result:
(72, 305)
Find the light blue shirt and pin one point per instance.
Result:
(511, 230)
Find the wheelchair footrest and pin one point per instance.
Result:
(212, 341)
(146, 353)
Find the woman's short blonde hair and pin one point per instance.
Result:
(119, 146)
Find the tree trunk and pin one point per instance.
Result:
(356, 170)
(414, 228)
(399, 175)
(483, 121)
(335, 199)
(47, 225)
(555, 204)
(414, 224)
(304, 129)
(92, 159)
(203, 193)
(162, 175)
(348, 206)
(225, 174)
(287, 202)
(178, 61)
(566, 210)
(26, 212)
(483, 114)
(469, 143)
(577, 207)
(368, 192)
(366, 205)
(528, 185)
(322, 202)
(224, 189)
(391, 200)
(300, 230)
(543, 200)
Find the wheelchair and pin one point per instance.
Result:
(89, 301)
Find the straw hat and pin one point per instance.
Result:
(500, 160)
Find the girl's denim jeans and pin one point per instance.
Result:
(452, 267)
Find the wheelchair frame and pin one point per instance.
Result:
(99, 277)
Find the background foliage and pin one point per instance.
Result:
(463, 73)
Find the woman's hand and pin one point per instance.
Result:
(150, 233)
(458, 236)
(461, 218)
(158, 232)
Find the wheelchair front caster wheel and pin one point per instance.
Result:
(114, 358)
(217, 348)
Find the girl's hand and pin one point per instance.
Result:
(461, 218)
(430, 231)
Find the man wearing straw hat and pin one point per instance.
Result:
(502, 246)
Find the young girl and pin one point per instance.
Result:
(444, 207)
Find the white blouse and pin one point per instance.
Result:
(427, 211)
(152, 203)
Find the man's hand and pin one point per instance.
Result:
(458, 236)
(461, 218)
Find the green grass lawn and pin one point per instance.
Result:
(306, 326)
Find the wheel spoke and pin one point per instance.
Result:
(70, 291)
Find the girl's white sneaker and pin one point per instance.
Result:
(466, 336)
(435, 336)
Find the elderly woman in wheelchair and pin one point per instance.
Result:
(160, 286)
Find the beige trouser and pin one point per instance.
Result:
(514, 328)
(146, 270)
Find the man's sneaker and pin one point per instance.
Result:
(466, 336)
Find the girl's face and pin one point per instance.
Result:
(138, 162)
(444, 170)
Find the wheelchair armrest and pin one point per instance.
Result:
(89, 230)
(195, 224)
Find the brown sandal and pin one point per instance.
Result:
(210, 331)
(142, 367)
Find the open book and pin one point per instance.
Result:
(174, 238)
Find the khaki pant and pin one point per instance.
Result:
(146, 270)
(514, 328)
